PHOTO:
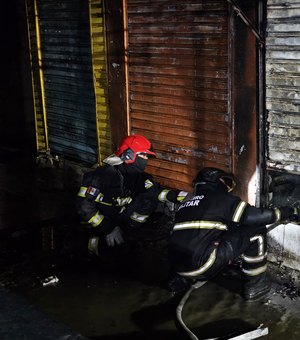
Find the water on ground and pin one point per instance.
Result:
(127, 297)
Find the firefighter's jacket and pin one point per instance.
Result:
(107, 192)
(201, 221)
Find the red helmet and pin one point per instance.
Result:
(132, 145)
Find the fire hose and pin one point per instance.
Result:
(256, 333)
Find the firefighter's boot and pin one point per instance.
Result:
(256, 287)
(178, 285)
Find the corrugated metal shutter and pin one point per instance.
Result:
(64, 43)
(178, 85)
(283, 81)
(100, 78)
(67, 64)
(37, 78)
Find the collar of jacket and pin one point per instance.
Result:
(113, 160)
(219, 186)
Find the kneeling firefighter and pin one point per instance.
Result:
(120, 195)
(214, 228)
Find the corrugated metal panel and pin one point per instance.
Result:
(37, 77)
(283, 80)
(100, 77)
(68, 79)
(178, 84)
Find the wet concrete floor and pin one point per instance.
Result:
(124, 296)
(129, 300)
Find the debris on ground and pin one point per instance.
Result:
(289, 290)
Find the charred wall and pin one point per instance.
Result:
(283, 122)
(282, 85)
(283, 101)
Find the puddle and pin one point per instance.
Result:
(126, 297)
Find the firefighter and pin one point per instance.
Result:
(120, 196)
(214, 228)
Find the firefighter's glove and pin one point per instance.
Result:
(296, 216)
(115, 237)
(288, 214)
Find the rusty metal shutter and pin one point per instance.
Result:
(68, 78)
(178, 85)
(282, 85)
